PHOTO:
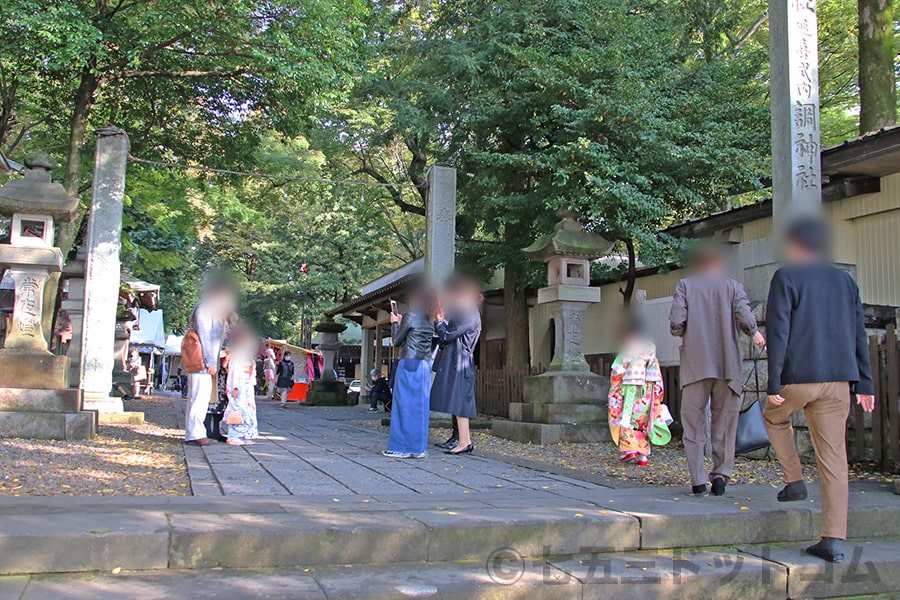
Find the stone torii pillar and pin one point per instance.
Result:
(794, 64)
(440, 229)
(103, 271)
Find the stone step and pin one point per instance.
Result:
(558, 413)
(543, 434)
(770, 572)
(48, 425)
(39, 400)
(101, 534)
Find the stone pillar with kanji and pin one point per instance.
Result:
(568, 402)
(35, 400)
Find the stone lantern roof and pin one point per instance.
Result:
(568, 239)
(37, 193)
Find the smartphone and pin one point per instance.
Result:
(394, 309)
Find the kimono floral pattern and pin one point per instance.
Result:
(635, 399)
(241, 376)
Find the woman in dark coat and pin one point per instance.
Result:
(458, 330)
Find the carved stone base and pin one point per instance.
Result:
(104, 404)
(559, 407)
(37, 370)
(45, 414)
(327, 393)
(566, 387)
(542, 434)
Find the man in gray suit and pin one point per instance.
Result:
(709, 310)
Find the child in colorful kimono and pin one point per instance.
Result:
(241, 394)
(637, 415)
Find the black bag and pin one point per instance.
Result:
(751, 427)
(213, 424)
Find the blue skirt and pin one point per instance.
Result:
(409, 413)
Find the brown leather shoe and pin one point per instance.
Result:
(200, 442)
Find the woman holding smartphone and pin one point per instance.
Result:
(413, 333)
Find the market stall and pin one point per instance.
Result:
(308, 365)
(149, 338)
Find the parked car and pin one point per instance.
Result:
(353, 391)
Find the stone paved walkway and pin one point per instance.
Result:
(325, 451)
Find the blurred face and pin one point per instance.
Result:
(797, 253)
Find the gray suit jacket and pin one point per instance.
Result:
(708, 313)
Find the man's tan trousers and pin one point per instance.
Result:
(827, 406)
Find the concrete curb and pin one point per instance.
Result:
(769, 572)
(100, 534)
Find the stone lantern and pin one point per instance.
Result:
(328, 390)
(568, 402)
(34, 397)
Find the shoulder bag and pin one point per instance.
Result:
(751, 428)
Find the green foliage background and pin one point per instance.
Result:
(637, 113)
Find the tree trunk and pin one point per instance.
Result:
(877, 93)
(516, 305)
(628, 292)
(84, 100)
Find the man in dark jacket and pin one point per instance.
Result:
(379, 391)
(818, 357)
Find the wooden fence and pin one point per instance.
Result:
(496, 388)
(672, 391)
(878, 438)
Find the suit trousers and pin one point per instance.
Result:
(725, 406)
(826, 406)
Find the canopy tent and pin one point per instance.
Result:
(173, 345)
(148, 334)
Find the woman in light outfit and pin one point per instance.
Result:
(269, 367)
(241, 412)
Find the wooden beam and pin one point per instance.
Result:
(848, 187)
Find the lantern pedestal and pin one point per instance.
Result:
(568, 402)
(35, 401)
(327, 390)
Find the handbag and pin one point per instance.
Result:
(234, 418)
(751, 427)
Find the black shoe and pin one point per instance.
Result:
(793, 492)
(467, 450)
(718, 485)
(699, 490)
(828, 549)
(449, 444)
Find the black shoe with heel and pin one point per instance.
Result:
(467, 450)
